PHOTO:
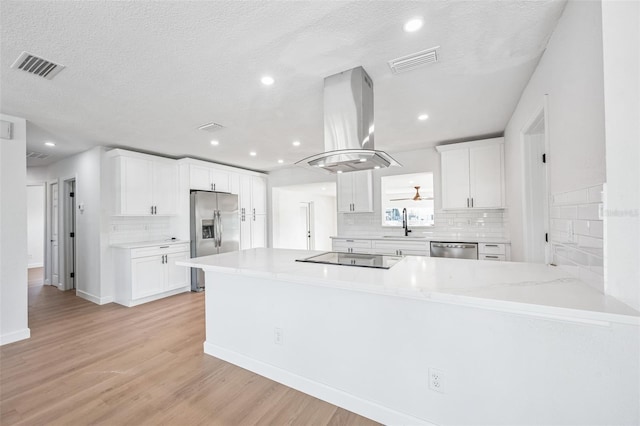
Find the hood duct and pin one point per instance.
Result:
(348, 126)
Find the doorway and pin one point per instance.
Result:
(536, 187)
(304, 216)
(36, 233)
(54, 264)
(69, 234)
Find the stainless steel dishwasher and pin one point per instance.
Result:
(454, 250)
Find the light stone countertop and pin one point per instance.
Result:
(415, 236)
(522, 288)
(140, 244)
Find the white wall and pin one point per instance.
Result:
(570, 73)
(92, 250)
(35, 225)
(621, 47)
(13, 234)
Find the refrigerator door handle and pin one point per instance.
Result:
(215, 229)
(219, 229)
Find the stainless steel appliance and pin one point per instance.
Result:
(454, 250)
(380, 261)
(215, 228)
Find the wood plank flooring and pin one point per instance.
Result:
(111, 365)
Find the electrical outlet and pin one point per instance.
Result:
(436, 380)
(278, 336)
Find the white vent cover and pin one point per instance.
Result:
(211, 127)
(413, 61)
(37, 66)
(38, 155)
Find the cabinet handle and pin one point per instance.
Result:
(491, 245)
(164, 246)
(214, 186)
(155, 209)
(471, 201)
(467, 203)
(491, 257)
(151, 209)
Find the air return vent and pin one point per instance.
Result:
(413, 61)
(37, 66)
(38, 155)
(211, 127)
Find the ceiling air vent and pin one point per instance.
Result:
(413, 61)
(211, 127)
(38, 155)
(37, 66)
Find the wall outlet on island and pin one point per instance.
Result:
(436, 380)
(278, 337)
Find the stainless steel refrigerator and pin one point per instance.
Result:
(215, 228)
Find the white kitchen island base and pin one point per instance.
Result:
(360, 339)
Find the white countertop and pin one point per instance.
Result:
(415, 236)
(507, 286)
(140, 244)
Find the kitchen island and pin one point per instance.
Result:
(435, 341)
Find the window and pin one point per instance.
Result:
(399, 192)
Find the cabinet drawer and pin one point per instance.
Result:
(159, 250)
(355, 245)
(491, 257)
(401, 245)
(488, 248)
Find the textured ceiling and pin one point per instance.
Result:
(145, 75)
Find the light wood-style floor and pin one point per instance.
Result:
(90, 364)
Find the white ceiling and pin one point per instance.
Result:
(145, 75)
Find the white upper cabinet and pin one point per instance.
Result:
(144, 185)
(208, 178)
(355, 192)
(473, 174)
(253, 195)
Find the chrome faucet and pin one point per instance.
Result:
(405, 222)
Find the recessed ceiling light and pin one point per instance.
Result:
(423, 117)
(339, 171)
(280, 161)
(413, 25)
(324, 189)
(253, 153)
(376, 167)
(296, 143)
(215, 143)
(267, 80)
(50, 144)
(362, 160)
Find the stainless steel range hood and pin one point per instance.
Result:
(348, 126)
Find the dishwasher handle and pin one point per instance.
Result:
(453, 245)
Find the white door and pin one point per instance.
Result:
(200, 178)
(363, 191)
(165, 188)
(455, 179)
(258, 231)
(485, 180)
(177, 276)
(345, 192)
(148, 275)
(245, 232)
(55, 267)
(258, 195)
(245, 195)
(137, 186)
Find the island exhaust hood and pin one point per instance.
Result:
(348, 126)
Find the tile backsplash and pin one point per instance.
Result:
(576, 234)
(131, 229)
(458, 223)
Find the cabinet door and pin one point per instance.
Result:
(245, 232)
(258, 195)
(363, 191)
(344, 190)
(136, 183)
(245, 194)
(259, 231)
(455, 179)
(177, 276)
(200, 178)
(485, 167)
(220, 180)
(147, 276)
(165, 188)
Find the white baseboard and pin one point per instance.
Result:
(15, 336)
(92, 298)
(363, 407)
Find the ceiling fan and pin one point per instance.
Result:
(416, 197)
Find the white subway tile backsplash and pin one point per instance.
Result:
(133, 229)
(576, 234)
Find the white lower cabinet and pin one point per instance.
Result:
(491, 251)
(144, 274)
(253, 231)
(401, 248)
(351, 245)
